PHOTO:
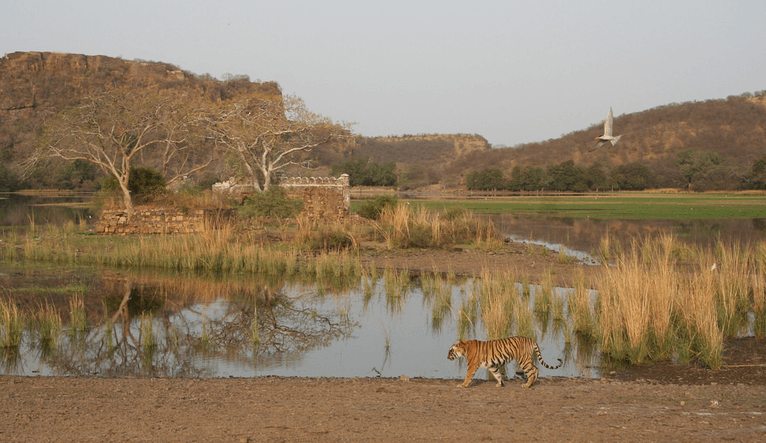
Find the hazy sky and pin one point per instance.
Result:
(512, 71)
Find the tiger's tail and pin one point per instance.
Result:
(540, 359)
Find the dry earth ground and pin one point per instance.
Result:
(297, 409)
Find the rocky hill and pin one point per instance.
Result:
(37, 85)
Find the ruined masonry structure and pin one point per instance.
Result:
(161, 220)
(324, 198)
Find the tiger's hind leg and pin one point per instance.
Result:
(495, 370)
(531, 371)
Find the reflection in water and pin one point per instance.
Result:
(393, 324)
(24, 210)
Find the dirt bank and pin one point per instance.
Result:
(293, 409)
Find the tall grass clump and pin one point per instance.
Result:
(12, 324)
(581, 309)
(148, 341)
(758, 284)
(624, 309)
(78, 321)
(498, 297)
(699, 335)
(733, 267)
(402, 226)
(662, 299)
(469, 313)
(49, 325)
(441, 303)
(396, 284)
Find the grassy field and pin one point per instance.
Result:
(617, 205)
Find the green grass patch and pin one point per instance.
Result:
(622, 205)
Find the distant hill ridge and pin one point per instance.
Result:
(35, 85)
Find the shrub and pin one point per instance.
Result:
(271, 203)
(331, 240)
(373, 208)
(144, 183)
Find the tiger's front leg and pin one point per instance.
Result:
(468, 376)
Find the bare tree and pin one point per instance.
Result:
(114, 128)
(266, 133)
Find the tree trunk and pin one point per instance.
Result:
(127, 200)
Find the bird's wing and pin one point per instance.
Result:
(608, 124)
(598, 144)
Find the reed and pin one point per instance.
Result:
(698, 328)
(403, 226)
(387, 337)
(559, 307)
(396, 284)
(441, 304)
(580, 307)
(523, 320)
(12, 324)
(625, 311)
(49, 324)
(732, 284)
(498, 297)
(78, 321)
(146, 338)
(468, 314)
(650, 305)
(563, 258)
(544, 296)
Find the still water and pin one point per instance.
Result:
(18, 210)
(202, 327)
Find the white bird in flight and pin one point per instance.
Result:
(607, 136)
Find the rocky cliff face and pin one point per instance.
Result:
(34, 80)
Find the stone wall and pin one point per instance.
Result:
(324, 198)
(161, 220)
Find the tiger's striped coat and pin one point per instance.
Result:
(494, 354)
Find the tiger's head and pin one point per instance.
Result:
(456, 351)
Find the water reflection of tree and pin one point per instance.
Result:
(157, 328)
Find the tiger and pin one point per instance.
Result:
(495, 354)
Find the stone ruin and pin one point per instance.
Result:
(324, 198)
(162, 220)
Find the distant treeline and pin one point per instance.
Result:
(695, 170)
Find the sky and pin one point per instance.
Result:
(512, 71)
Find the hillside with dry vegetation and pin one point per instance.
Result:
(35, 86)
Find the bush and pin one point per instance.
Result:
(373, 208)
(144, 183)
(363, 172)
(271, 203)
(8, 180)
(331, 240)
